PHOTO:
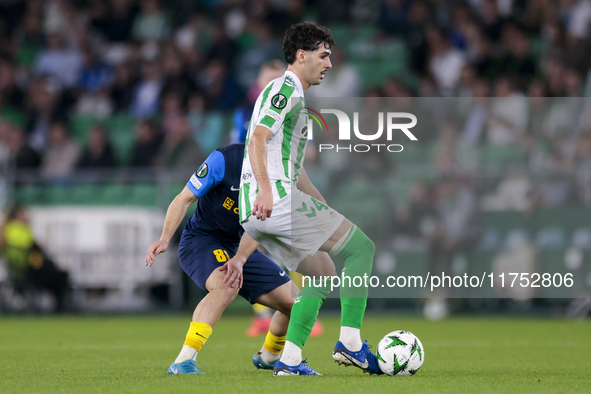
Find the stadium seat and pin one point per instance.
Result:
(113, 194)
(85, 195)
(122, 136)
(79, 127)
(143, 195)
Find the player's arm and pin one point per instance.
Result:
(234, 265)
(174, 216)
(257, 150)
(305, 185)
(208, 176)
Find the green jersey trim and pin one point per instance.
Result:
(280, 189)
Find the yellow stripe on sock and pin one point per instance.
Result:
(274, 344)
(258, 308)
(197, 335)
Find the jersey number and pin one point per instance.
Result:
(221, 255)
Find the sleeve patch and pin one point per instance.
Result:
(272, 114)
(279, 101)
(195, 182)
(202, 171)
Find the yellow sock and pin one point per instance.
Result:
(197, 335)
(297, 278)
(274, 344)
(258, 308)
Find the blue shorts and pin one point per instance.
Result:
(200, 255)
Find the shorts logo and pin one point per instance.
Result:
(228, 204)
(195, 182)
(279, 101)
(202, 171)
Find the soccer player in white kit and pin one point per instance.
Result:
(282, 211)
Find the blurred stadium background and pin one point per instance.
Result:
(108, 106)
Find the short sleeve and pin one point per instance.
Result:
(276, 108)
(209, 175)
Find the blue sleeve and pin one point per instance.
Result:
(209, 175)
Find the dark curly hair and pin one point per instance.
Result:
(307, 36)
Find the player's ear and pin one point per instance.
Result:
(301, 56)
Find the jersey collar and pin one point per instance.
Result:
(297, 81)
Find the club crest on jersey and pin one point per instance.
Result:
(279, 101)
(202, 171)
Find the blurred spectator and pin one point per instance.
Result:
(44, 99)
(492, 22)
(508, 114)
(415, 222)
(180, 149)
(268, 72)
(220, 86)
(266, 47)
(115, 21)
(518, 61)
(98, 153)
(62, 155)
(342, 81)
(176, 77)
(10, 93)
(458, 226)
(583, 168)
(59, 61)
(147, 145)
(392, 18)
(24, 157)
(513, 193)
(445, 62)
(122, 89)
(29, 38)
(95, 74)
(151, 22)
(172, 111)
(29, 266)
(222, 47)
(477, 113)
(146, 95)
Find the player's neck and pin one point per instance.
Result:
(305, 84)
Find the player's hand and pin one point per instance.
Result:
(233, 270)
(263, 205)
(154, 250)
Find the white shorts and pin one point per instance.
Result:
(299, 225)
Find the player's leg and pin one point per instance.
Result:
(306, 306)
(281, 300)
(265, 283)
(206, 315)
(298, 279)
(201, 258)
(261, 320)
(351, 245)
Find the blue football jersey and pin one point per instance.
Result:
(217, 184)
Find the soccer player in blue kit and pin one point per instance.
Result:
(209, 240)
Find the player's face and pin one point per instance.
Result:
(317, 64)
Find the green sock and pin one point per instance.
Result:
(305, 311)
(358, 254)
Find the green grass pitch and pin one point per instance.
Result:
(130, 354)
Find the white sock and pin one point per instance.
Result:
(269, 357)
(351, 338)
(292, 354)
(187, 353)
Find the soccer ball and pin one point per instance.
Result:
(400, 353)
